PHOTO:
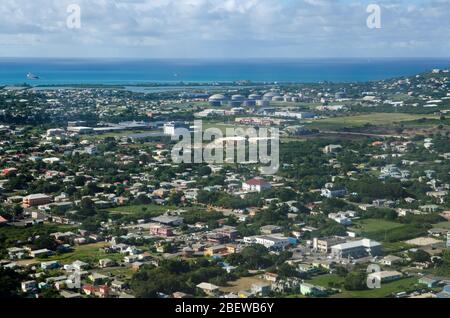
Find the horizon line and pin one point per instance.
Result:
(225, 58)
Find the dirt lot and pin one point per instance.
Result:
(423, 241)
(243, 283)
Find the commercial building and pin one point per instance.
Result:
(296, 115)
(80, 130)
(161, 230)
(356, 249)
(271, 242)
(385, 276)
(36, 200)
(170, 129)
(324, 245)
(168, 220)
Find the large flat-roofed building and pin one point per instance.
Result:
(272, 242)
(168, 220)
(385, 276)
(324, 245)
(80, 130)
(36, 200)
(170, 128)
(356, 249)
(228, 231)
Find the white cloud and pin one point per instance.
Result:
(223, 28)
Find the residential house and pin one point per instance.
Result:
(29, 286)
(261, 289)
(106, 262)
(307, 289)
(331, 194)
(256, 185)
(97, 278)
(50, 265)
(391, 260)
(209, 289)
(270, 229)
(40, 253)
(270, 277)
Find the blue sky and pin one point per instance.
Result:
(224, 28)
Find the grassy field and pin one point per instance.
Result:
(119, 272)
(396, 247)
(387, 231)
(13, 233)
(442, 225)
(386, 290)
(362, 120)
(324, 280)
(134, 209)
(374, 225)
(89, 253)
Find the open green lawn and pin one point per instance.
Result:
(324, 280)
(442, 225)
(147, 208)
(89, 253)
(386, 290)
(122, 272)
(373, 119)
(396, 247)
(387, 231)
(374, 225)
(11, 234)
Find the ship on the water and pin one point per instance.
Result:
(32, 76)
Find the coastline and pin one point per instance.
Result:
(208, 72)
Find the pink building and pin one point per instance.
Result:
(161, 230)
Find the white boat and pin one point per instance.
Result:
(31, 76)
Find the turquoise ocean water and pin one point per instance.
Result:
(127, 71)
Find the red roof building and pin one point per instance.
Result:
(3, 220)
(256, 185)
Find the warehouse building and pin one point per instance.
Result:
(356, 249)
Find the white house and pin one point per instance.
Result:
(256, 185)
